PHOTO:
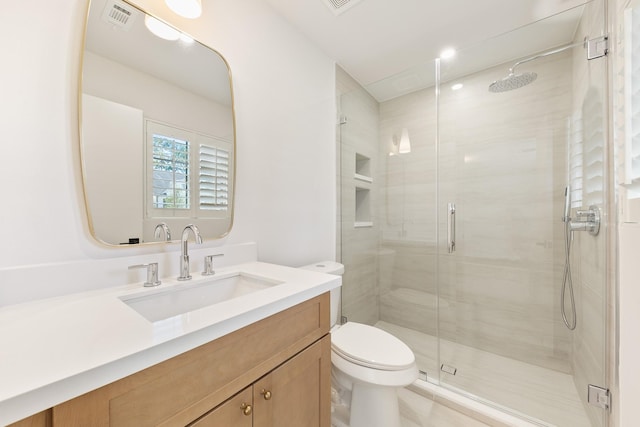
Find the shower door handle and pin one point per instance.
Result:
(451, 227)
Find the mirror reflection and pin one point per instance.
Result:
(157, 129)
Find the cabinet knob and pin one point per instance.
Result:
(246, 409)
(266, 394)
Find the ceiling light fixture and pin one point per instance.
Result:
(186, 8)
(457, 86)
(161, 29)
(448, 53)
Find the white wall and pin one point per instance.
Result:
(624, 384)
(116, 82)
(284, 92)
(113, 198)
(629, 317)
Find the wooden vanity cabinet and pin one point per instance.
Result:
(293, 395)
(287, 354)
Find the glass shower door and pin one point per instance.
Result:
(505, 158)
(387, 203)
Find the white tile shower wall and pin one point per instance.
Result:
(359, 245)
(408, 214)
(626, 403)
(410, 300)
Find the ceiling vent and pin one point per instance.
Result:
(119, 14)
(340, 6)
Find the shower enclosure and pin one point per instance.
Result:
(452, 200)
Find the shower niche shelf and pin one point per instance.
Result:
(363, 224)
(363, 168)
(363, 208)
(362, 175)
(363, 178)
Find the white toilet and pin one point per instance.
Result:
(368, 366)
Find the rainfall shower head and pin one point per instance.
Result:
(512, 81)
(516, 81)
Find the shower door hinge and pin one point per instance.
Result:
(598, 47)
(598, 396)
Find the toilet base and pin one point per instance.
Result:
(374, 406)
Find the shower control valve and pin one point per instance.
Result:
(587, 220)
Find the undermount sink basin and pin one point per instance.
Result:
(193, 296)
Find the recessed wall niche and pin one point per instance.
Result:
(362, 174)
(363, 168)
(363, 207)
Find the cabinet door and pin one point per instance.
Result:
(298, 392)
(42, 419)
(236, 412)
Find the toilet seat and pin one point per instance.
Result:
(371, 347)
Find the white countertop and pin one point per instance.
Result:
(56, 349)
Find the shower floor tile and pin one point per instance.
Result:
(545, 394)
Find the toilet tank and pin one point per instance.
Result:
(330, 267)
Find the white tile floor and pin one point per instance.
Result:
(544, 394)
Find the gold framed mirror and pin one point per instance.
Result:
(157, 129)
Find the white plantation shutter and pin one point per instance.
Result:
(188, 174)
(630, 175)
(586, 152)
(214, 178)
(593, 148)
(575, 159)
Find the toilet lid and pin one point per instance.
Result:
(372, 347)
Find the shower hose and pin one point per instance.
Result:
(567, 283)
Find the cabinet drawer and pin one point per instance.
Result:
(179, 390)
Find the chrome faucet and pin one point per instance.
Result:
(184, 258)
(163, 227)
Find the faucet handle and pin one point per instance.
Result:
(208, 265)
(152, 273)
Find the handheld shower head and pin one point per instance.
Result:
(512, 81)
(567, 204)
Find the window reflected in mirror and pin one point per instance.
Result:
(188, 173)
